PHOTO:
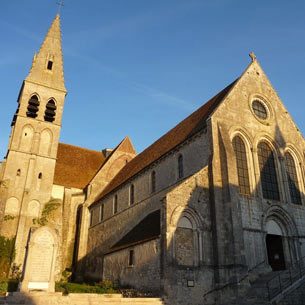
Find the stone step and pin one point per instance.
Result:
(76, 299)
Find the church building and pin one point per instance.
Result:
(217, 200)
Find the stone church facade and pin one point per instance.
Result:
(217, 199)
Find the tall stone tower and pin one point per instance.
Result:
(27, 173)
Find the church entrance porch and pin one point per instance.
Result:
(275, 250)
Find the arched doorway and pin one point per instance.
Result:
(275, 246)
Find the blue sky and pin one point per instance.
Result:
(138, 67)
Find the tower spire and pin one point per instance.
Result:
(47, 67)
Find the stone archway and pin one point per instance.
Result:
(280, 238)
(275, 246)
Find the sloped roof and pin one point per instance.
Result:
(169, 141)
(146, 229)
(51, 45)
(75, 166)
(124, 146)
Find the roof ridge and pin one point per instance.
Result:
(171, 139)
(83, 148)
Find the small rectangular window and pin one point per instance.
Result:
(131, 258)
(50, 65)
(101, 213)
(131, 195)
(153, 181)
(91, 218)
(115, 204)
(180, 167)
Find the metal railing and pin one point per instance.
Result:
(286, 278)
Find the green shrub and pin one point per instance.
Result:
(8, 286)
(48, 209)
(67, 288)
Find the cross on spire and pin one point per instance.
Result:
(60, 4)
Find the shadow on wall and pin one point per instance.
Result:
(203, 236)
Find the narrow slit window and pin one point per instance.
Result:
(131, 258)
(131, 195)
(153, 181)
(50, 65)
(101, 213)
(40, 176)
(115, 204)
(91, 218)
(180, 167)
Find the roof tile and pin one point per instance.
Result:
(169, 141)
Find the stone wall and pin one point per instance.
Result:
(188, 271)
(101, 234)
(143, 274)
(236, 117)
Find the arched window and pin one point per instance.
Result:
(153, 181)
(268, 172)
(26, 140)
(180, 167)
(45, 143)
(131, 195)
(242, 165)
(185, 239)
(292, 179)
(33, 107)
(40, 176)
(50, 112)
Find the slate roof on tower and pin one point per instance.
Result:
(184, 130)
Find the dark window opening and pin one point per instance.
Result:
(292, 179)
(40, 176)
(50, 65)
(33, 107)
(18, 173)
(50, 112)
(115, 204)
(153, 181)
(131, 194)
(101, 212)
(91, 218)
(242, 166)
(275, 250)
(268, 172)
(131, 258)
(259, 110)
(180, 167)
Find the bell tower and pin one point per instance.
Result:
(28, 170)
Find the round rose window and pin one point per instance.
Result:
(260, 109)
